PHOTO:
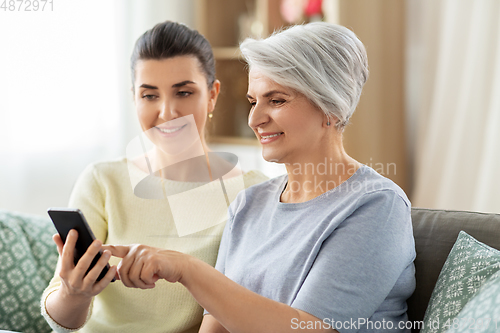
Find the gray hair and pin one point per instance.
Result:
(325, 62)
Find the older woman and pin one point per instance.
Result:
(328, 246)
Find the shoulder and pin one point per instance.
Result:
(265, 185)
(376, 204)
(254, 177)
(105, 171)
(370, 186)
(108, 166)
(368, 199)
(260, 194)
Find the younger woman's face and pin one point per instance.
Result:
(168, 90)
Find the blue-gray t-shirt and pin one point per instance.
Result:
(345, 257)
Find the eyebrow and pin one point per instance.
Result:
(183, 83)
(269, 93)
(176, 85)
(147, 86)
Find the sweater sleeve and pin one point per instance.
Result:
(88, 195)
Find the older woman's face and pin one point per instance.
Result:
(288, 125)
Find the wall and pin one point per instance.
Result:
(377, 134)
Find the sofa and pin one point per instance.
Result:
(28, 258)
(435, 233)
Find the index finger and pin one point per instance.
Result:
(119, 251)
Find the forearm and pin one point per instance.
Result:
(211, 325)
(238, 309)
(66, 310)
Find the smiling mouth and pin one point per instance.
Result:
(271, 136)
(171, 130)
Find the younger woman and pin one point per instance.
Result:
(175, 91)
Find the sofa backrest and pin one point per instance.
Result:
(435, 232)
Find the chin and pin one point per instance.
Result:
(272, 156)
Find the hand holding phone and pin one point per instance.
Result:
(64, 220)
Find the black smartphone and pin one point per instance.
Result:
(64, 220)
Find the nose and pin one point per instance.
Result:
(168, 110)
(258, 116)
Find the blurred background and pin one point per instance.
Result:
(429, 116)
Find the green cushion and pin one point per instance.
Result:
(469, 264)
(28, 258)
(482, 312)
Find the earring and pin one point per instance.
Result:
(210, 116)
(328, 124)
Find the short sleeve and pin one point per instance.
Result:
(361, 261)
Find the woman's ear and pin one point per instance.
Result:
(213, 94)
(330, 121)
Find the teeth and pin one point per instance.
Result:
(170, 130)
(270, 136)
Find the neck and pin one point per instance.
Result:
(318, 173)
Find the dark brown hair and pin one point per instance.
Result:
(170, 39)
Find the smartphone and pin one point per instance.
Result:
(64, 220)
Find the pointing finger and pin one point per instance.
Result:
(119, 251)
